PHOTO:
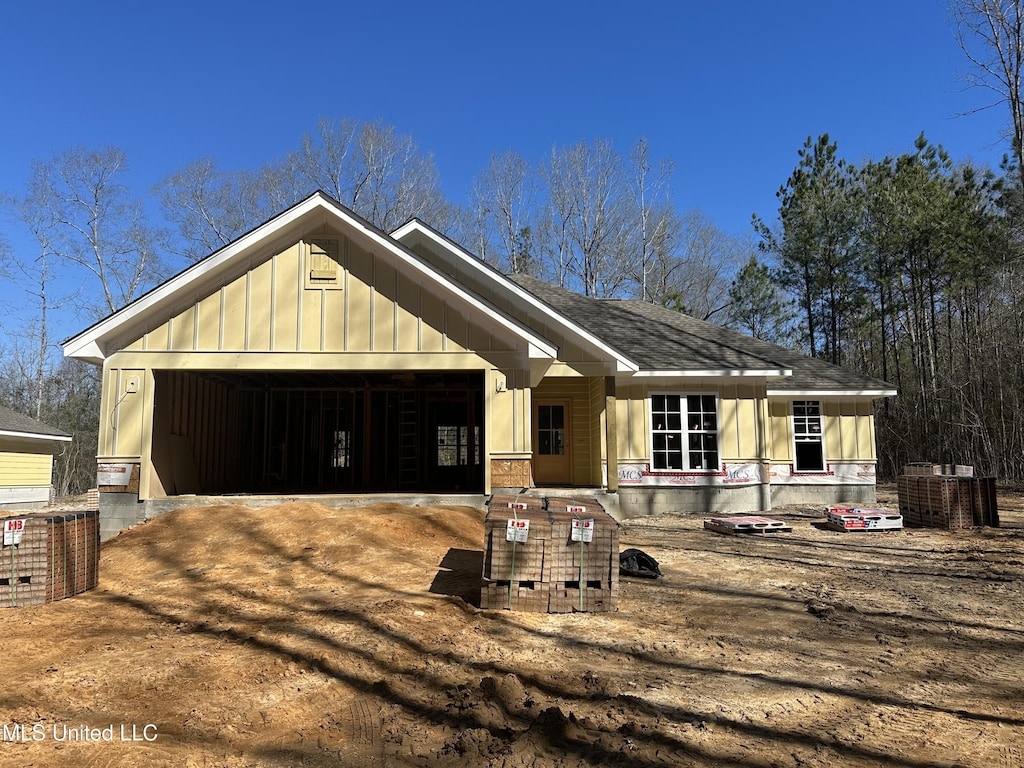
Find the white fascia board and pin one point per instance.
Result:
(88, 344)
(538, 346)
(832, 392)
(712, 373)
(86, 350)
(35, 436)
(622, 363)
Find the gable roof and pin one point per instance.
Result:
(14, 424)
(508, 286)
(95, 343)
(669, 343)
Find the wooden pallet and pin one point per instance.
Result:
(737, 525)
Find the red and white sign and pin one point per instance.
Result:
(517, 530)
(12, 531)
(582, 530)
(517, 505)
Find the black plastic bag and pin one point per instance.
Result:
(635, 562)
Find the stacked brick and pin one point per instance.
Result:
(946, 501)
(550, 571)
(57, 556)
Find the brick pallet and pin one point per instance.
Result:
(550, 572)
(57, 557)
(947, 501)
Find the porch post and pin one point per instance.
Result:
(611, 434)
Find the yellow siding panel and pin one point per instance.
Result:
(260, 306)
(157, 339)
(781, 445)
(129, 412)
(287, 293)
(479, 339)
(433, 323)
(457, 328)
(727, 427)
(183, 330)
(746, 425)
(359, 295)
(137, 346)
(334, 320)
(209, 323)
(234, 315)
(408, 313)
(384, 276)
(830, 424)
(310, 325)
(866, 430)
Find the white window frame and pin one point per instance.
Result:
(804, 434)
(685, 432)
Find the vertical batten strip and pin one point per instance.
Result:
(248, 306)
(273, 300)
(394, 320)
(300, 261)
(373, 298)
(223, 310)
(195, 326)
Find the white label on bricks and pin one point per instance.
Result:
(517, 530)
(583, 530)
(517, 505)
(12, 531)
(575, 510)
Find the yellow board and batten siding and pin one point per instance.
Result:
(848, 425)
(272, 313)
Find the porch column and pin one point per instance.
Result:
(611, 433)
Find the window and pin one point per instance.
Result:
(808, 451)
(453, 446)
(551, 430)
(342, 457)
(684, 432)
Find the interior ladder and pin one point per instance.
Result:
(408, 434)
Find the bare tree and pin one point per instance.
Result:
(378, 173)
(991, 34)
(588, 212)
(94, 226)
(502, 197)
(655, 216)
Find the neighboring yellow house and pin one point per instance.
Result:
(26, 460)
(319, 355)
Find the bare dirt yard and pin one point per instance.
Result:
(300, 635)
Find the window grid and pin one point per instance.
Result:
(684, 432)
(808, 453)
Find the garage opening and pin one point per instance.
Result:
(222, 432)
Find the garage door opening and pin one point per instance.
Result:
(220, 432)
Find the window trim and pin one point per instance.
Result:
(820, 437)
(685, 433)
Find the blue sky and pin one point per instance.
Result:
(728, 90)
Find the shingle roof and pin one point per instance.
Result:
(660, 339)
(12, 421)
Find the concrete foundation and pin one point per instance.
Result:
(123, 510)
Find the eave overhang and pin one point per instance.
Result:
(622, 363)
(93, 344)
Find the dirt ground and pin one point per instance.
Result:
(300, 635)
